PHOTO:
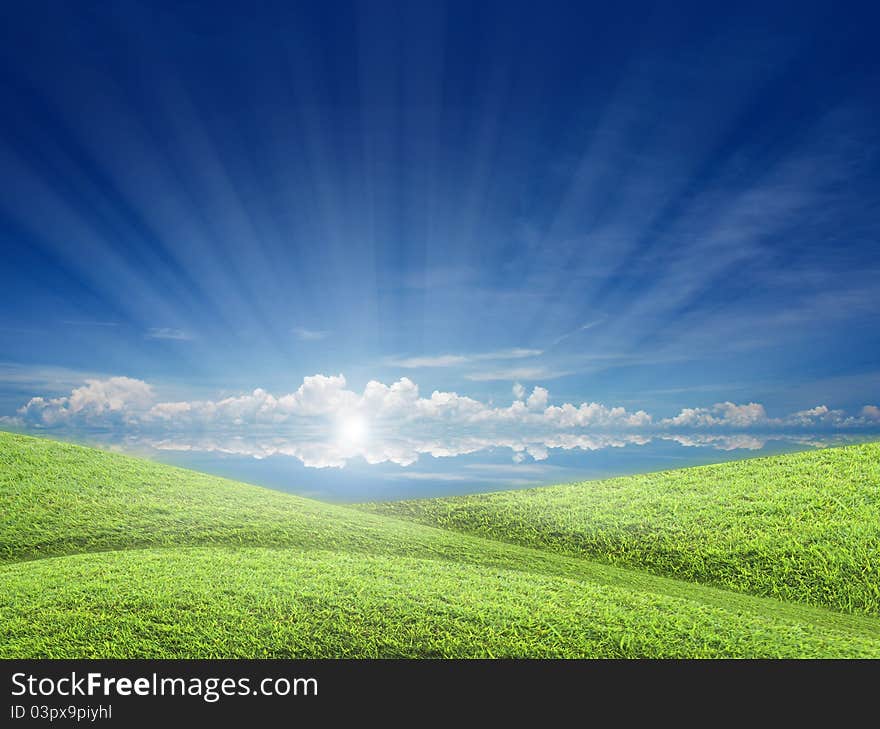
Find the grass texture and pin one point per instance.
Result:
(801, 527)
(102, 555)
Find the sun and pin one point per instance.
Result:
(353, 429)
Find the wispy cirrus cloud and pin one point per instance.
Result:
(440, 360)
(455, 360)
(43, 377)
(582, 328)
(168, 333)
(89, 323)
(530, 374)
(310, 335)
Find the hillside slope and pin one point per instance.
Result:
(109, 556)
(802, 527)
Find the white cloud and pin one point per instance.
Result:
(516, 353)
(538, 399)
(816, 412)
(450, 406)
(440, 360)
(720, 414)
(98, 401)
(753, 415)
(402, 424)
(515, 373)
(387, 401)
(323, 397)
(578, 330)
(817, 415)
(406, 449)
(170, 411)
(402, 450)
(168, 333)
(319, 395)
(720, 442)
(309, 335)
(594, 415)
(456, 360)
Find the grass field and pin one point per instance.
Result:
(102, 555)
(802, 527)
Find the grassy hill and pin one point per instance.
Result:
(102, 555)
(802, 527)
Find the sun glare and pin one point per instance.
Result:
(353, 429)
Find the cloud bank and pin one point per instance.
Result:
(123, 400)
(403, 424)
(399, 406)
(110, 401)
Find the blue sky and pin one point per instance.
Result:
(656, 207)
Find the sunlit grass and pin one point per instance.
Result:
(801, 527)
(109, 556)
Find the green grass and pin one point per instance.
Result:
(102, 555)
(802, 527)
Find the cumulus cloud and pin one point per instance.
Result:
(720, 414)
(819, 411)
(386, 401)
(319, 395)
(729, 415)
(821, 414)
(97, 402)
(323, 401)
(538, 399)
(594, 415)
(326, 397)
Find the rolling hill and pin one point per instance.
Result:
(103, 555)
(802, 527)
